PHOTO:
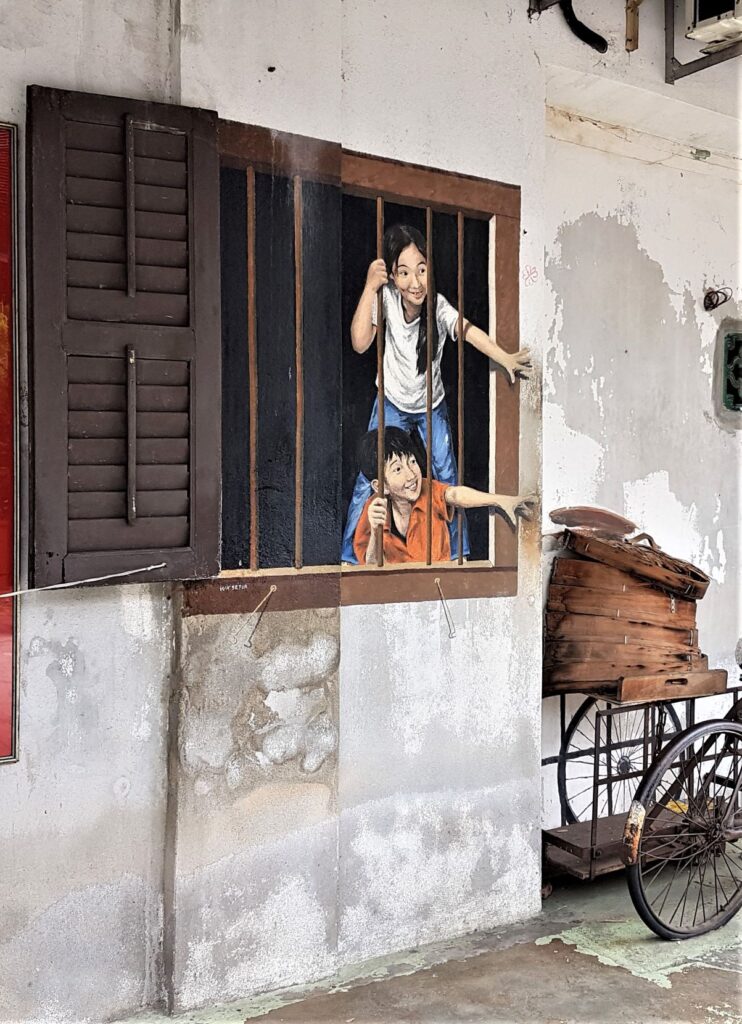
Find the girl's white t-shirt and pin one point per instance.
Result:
(403, 385)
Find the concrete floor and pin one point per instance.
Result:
(587, 959)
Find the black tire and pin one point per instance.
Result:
(690, 798)
(625, 752)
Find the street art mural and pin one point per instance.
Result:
(359, 317)
(401, 286)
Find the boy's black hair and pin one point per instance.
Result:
(396, 442)
(396, 239)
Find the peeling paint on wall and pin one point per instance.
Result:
(628, 424)
(257, 829)
(263, 705)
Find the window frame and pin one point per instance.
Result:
(255, 148)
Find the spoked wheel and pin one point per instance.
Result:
(685, 865)
(626, 749)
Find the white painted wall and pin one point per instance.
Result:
(82, 813)
(437, 792)
(428, 822)
(631, 421)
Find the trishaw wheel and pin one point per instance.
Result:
(622, 756)
(685, 871)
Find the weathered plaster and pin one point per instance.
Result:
(245, 59)
(631, 415)
(259, 918)
(82, 812)
(119, 47)
(291, 855)
(433, 732)
(714, 90)
(256, 833)
(441, 822)
(650, 359)
(440, 863)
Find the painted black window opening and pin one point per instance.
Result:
(271, 413)
(296, 397)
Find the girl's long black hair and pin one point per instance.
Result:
(396, 240)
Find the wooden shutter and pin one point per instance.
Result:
(125, 337)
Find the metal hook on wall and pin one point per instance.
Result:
(449, 619)
(259, 607)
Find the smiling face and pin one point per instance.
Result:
(403, 478)
(410, 275)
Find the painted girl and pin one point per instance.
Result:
(402, 275)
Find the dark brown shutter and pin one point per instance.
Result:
(125, 337)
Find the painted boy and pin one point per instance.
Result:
(402, 510)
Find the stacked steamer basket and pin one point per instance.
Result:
(621, 615)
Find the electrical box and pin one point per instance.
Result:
(717, 23)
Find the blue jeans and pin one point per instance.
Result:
(444, 468)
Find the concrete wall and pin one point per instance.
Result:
(632, 411)
(82, 813)
(430, 823)
(356, 781)
(256, 855)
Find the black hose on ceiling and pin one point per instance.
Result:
(580, 29)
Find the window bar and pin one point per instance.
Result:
(380, 373)
(431, 323)
(460, 373)
(131, 212)
(252, 367)
(131, 435)
(299, 332)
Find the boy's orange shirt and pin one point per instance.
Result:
(415, 547)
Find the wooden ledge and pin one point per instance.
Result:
(241, 592)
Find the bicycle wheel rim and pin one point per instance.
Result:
(575, 766)
(687, 878)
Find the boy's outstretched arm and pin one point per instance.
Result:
(511, 505)
(362, 330)
(514, 364)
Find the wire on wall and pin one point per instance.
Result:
(716, 297)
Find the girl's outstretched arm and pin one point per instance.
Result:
(362, 330)
(511, 505)
(514, 364)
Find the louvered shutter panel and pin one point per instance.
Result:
(125, 337)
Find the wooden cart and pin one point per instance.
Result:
(641, 784)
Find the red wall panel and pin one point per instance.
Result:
(7, 462)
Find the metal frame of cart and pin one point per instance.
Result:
(687, 782)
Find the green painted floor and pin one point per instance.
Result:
(586, 959)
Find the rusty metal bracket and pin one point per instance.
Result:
(673, 67)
